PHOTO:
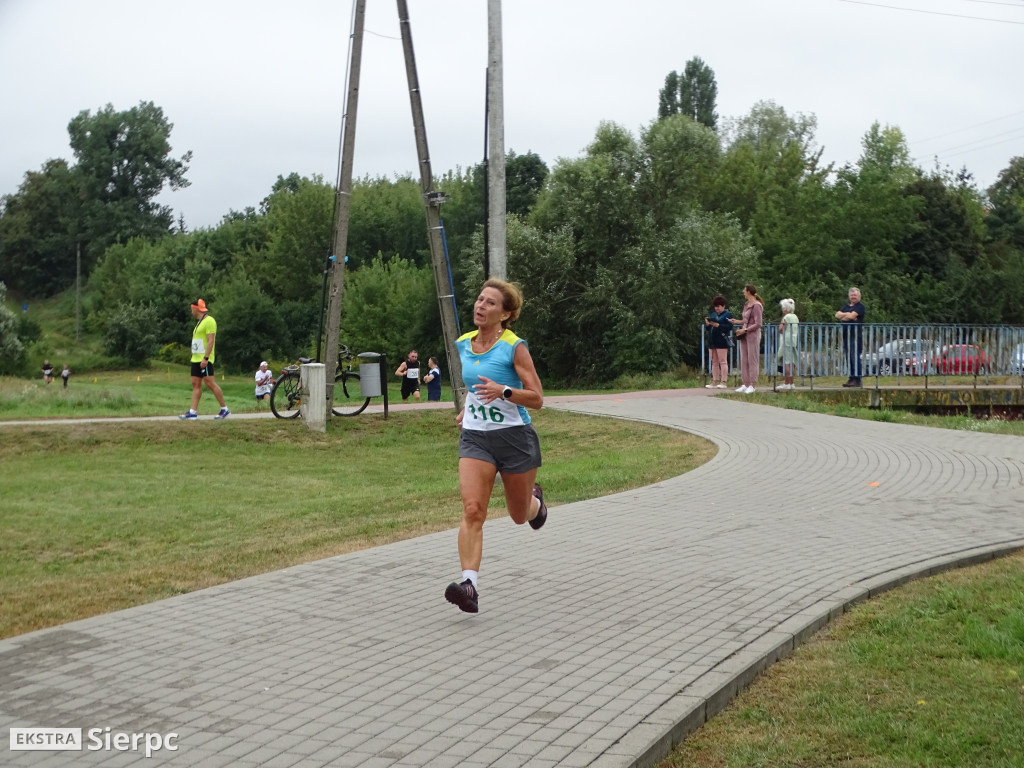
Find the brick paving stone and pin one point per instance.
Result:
(670, 598)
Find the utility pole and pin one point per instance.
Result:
(432, 201)
(342, 203)
(496, 143)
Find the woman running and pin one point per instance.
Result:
(497, 436)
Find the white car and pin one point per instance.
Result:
(904, 356)
(1017, 361)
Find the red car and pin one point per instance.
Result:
(961, 360)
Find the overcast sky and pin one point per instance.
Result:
(255, 88)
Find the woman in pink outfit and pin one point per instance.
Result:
(749, 337)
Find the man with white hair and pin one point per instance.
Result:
(852, 318)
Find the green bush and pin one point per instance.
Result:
(131, 333)
(28, 329)
(175, 353)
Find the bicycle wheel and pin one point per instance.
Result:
(284, 397)
(348, 399)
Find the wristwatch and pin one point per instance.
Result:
(506, 393)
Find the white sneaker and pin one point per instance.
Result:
(742, 390)
(749, 390)
(709, 386)
(720, 386)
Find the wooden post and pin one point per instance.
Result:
(432, 201)
(343, 198)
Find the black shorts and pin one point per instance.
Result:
(513, 449)
(409, 386)
(199, 373)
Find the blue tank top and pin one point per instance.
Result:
(495, 364)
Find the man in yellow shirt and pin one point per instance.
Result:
(204, 337)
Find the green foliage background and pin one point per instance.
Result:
(618, 250)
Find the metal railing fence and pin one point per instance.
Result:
(984, 352)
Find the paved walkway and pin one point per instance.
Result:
(624, 623)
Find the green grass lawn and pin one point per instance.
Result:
(162, 389)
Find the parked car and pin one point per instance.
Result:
(962, 360)
(1017, 361)
(903, 356)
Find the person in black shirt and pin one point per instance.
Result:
(852, 317)
(409, 372)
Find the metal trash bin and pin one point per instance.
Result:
(369, 374)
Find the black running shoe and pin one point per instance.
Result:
(463, 595)
(542, 514)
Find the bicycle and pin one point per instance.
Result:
(348, 399)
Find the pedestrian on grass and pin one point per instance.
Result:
(47, 371)
(204, 352)
(749, 336)
(409, 371)
(433, 380)
(65, 375)
(264, 381)
(497, 436)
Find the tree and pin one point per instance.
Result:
(249, 325)
(668, 96)
(123, 163)
(390, 306)
(886, 156)
(682, 158)
(12, 351)
(298, 221)
(665, 283)
(769, 179)
(618, 243)
(131, 333)
(694, 94)
(463, 214)
(768, 153)
(1005, 220)
(595, 195)
(524, 178)
(37, 244)
(386, 216)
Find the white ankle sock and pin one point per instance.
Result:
(471, 575)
